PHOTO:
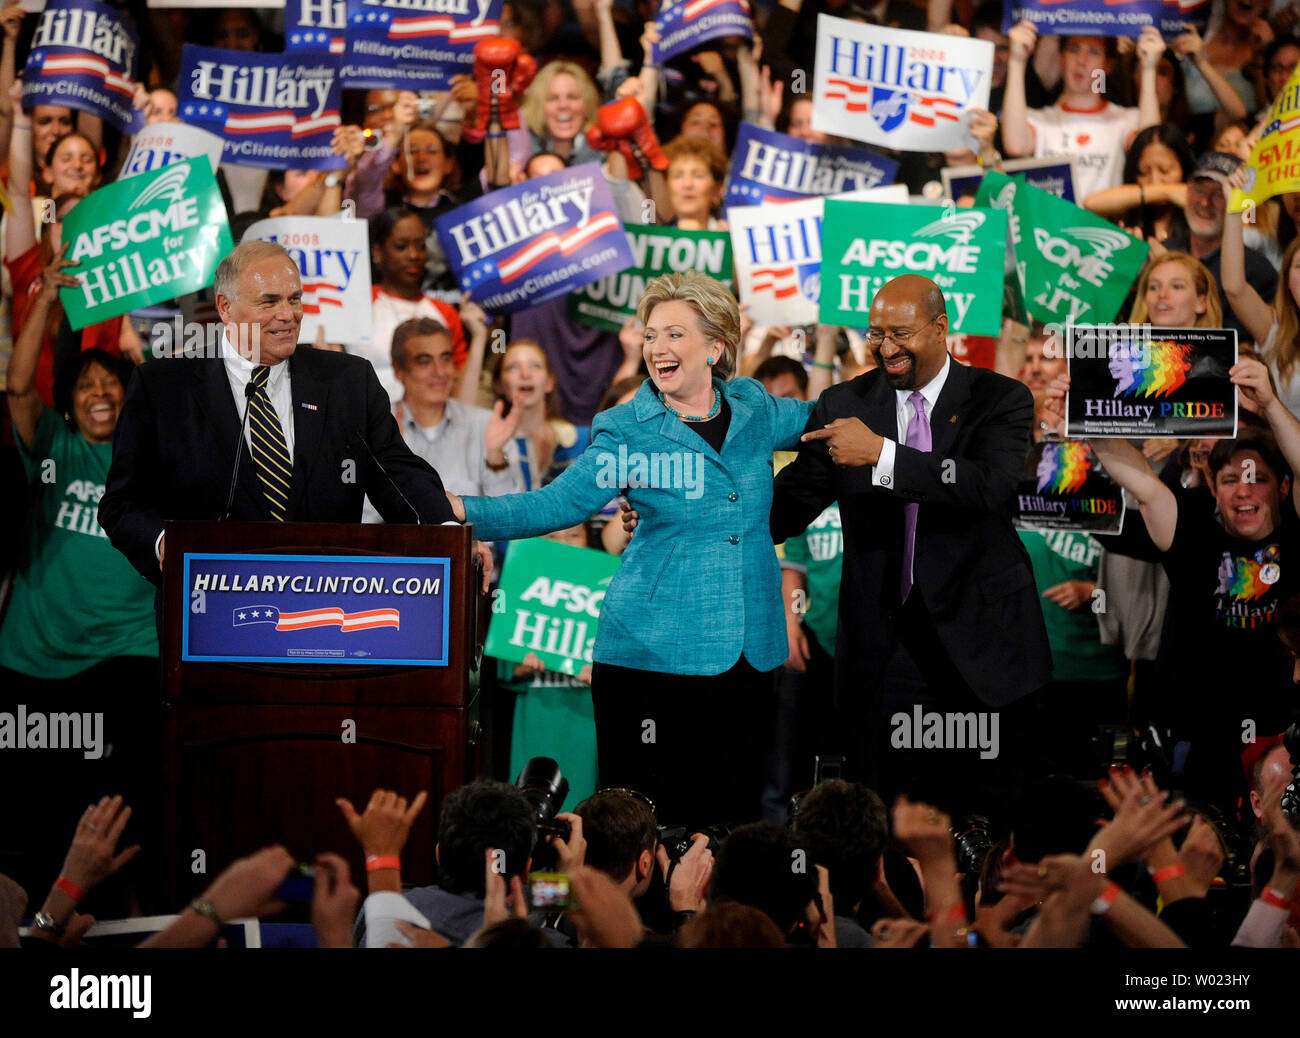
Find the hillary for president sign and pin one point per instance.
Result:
(610, 302)
(535, 241)
(333, 257)
(81, 57)
(1135, 381)
(415, 44)
(898, 88)
(143, 240)
(773, 167)
(315, 25)
(552, 594)
(276, 111)
(684, 24)
(1085, 17)
(866, 244)
(316, 609)
(778, 254)
(1274, 164)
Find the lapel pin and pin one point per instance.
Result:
(953, 418)
(313, 407)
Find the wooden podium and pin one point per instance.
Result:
(256, 753)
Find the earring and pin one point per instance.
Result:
(712, 361)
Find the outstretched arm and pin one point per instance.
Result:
(1256, 386)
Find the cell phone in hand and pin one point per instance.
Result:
(549, 891)
(298, 886)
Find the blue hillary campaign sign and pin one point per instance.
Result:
(316, 609)
(315, 25)
(276, 111)
(81, 57)
(1179, 12)
(415, 44)
(1090, 17)
(535, 241)
(773, 167)
(683, 24)
(1055, 176)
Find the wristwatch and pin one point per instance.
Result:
(332, 179)
(45, 921)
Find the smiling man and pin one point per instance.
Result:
(319, 435)
(937, 603)
(1230, 568)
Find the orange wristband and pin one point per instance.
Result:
(1105, 899)
(1271, 897)
(377, 862)
(71, 889)
(1174, 871)
(956, 914)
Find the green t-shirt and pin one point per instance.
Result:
(818, 553)
(1073, 634)
(76, 600)
(553, 718)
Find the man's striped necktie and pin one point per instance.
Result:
(270, 452)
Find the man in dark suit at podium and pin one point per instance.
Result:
(319, 435)
(939, 617)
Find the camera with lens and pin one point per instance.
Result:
(678, 839)
(1149, 748)
(544, 787)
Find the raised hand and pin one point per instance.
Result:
(92, 856)
(334, 902)
(382, 830)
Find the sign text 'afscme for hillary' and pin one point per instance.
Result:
(333, 257)
(81, 57)
(772, 167)
(535, 241)
(902, 89)
(144, 240)
(276, 111)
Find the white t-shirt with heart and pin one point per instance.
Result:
(1094, 138)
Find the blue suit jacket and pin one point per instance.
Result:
(699, 584)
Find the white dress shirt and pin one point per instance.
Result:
(882, 474)
(239, 371)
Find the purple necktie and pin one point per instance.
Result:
(918, 436)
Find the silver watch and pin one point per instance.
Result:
(45, 921)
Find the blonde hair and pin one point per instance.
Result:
(716, 311)
(533, 109)
(1286, 320)
(1201, 277)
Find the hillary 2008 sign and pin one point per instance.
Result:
(902, 89)
(773, 167)
(415, 44)
(535, 241)
(316, 609)
(81, 57)
(275, 111)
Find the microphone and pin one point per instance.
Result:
(384, 472)
(249, 390)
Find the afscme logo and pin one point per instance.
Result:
(960, 227)
(1103, 240)
(170, 184)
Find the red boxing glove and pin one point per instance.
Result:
(623, 126)
(502, 73)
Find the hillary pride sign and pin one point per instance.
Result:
(773, 167)
(535, 241)
(1064, 487)
(684, 24)
(415, 44)
(274, 111)
(1135, 381)
(898, 88)
(81, 57)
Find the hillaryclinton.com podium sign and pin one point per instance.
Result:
(316, 609)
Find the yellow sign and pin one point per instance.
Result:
(1274, 166)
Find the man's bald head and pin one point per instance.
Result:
(911, 307)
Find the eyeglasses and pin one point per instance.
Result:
(877, 337)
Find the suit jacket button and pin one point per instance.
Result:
(734, 539)
(733, 496)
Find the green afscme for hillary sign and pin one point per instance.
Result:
(144, 240)
(1073, 267)
(867, 244)
(609, 302)
(549, 604)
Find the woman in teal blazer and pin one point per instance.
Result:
(693, 621)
